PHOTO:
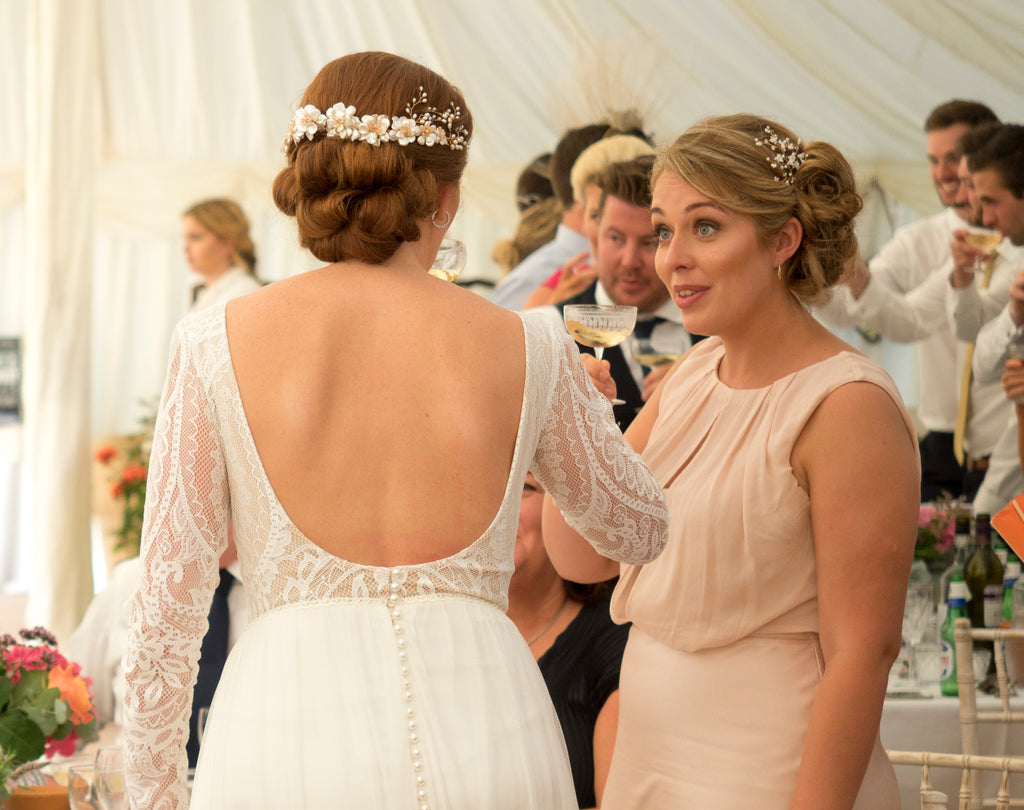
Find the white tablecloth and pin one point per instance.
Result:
(933, 724)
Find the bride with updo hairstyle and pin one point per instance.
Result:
(762, 637)
(359, 204)
(365, 430)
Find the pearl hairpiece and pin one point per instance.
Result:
(427, 128)
(786, 156)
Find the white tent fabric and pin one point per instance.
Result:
(191, 100)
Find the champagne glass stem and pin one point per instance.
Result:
(599, 352)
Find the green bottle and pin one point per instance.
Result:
(947, 656)
(1009, 580)
(983, 573)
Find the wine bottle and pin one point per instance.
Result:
(961, 544)
(947, 653)
(983, 574)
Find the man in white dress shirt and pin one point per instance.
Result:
(997, 172)
(905, 278)
(570, 240)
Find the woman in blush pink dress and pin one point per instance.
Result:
(757, 662)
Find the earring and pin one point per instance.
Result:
(436, 224)
(779, 271)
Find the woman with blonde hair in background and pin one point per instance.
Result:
(219, 248)
(762, 637)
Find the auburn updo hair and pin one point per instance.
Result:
(356, 201)
(721, 160)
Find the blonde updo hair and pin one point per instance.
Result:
(719, 158)
(355, 201)
(226, 220)
(598, 156)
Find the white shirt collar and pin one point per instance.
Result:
(669, 311)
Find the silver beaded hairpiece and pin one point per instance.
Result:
(786, 156)
(429, 127)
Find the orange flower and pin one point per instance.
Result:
(133, 473)
(117, 490)
(105, 454)
(74, 691)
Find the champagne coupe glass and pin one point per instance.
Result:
(599, 326)
(109, 782)
(984, 239)
(450, 259)
(80, 790)
(654, 350)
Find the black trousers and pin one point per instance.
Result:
(940, 471)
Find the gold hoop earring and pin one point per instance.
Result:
(436, 224)
(779, 271)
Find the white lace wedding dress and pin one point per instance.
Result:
(356, 686)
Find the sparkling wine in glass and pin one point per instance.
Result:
(653, 351)
(984, 239)
(449, 261)
(599, 326)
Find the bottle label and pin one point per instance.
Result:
(993, 605)
(947, 661)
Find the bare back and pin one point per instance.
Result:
(384, 405)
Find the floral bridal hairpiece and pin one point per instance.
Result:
(428, 127)
(785, 157)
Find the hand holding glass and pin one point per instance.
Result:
(984, 239)
(599, 326)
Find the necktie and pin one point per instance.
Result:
(212, 656)
(964, 401)
(645, 328)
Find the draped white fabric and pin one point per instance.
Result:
(193, 98)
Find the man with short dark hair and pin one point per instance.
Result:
(515, 288)
(997, 174)
(626, 276)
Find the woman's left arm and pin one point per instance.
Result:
(857, 460)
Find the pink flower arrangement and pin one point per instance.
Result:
(936, 525)
(45, 703)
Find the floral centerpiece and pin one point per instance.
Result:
(45, 704)
(128, 481)
(935, 528)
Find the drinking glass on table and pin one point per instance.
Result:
(599, 326)
(918, 614)
(449, 261)
(80, 786)
(109, 779)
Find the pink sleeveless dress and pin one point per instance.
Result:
(723, 660)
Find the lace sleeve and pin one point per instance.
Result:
(600, 484)
(184, 533)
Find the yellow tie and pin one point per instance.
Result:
(964, 402)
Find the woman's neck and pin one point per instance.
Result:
(534, 600)
(210, 276)
(780, 342)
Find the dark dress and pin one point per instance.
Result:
(581, 670)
